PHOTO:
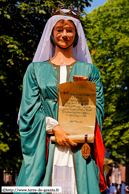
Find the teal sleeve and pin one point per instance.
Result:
(32, 128)
(96, 78)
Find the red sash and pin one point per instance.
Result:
(99, 152)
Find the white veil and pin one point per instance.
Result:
(45, 49)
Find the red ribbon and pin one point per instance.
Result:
(47, 143)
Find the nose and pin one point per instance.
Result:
(64, 34)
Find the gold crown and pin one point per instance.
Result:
(69, 13)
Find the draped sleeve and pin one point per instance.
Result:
(96, 78)
(32, 128)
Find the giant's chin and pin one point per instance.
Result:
(64, 44)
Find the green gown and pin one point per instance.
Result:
(39, 99)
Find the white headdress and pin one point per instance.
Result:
(46, 50)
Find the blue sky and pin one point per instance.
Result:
(95, 4)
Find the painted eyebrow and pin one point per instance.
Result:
(65, 27)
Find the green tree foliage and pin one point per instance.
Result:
(107, 32)
(21, 26)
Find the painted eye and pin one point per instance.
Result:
(59, 30)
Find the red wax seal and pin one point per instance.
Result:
(85, 151)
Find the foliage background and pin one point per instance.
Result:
(107, 32)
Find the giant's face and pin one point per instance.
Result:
(64, 33)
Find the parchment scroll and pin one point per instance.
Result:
(77, 110)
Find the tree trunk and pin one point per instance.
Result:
(1, 177)
(13, 176)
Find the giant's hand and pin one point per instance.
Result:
(61, 137)
(79, 78)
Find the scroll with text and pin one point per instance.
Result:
(77, 110)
